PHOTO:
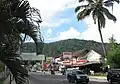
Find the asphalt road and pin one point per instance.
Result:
(37, 78)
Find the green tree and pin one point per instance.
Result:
(98, 10)
(18, 17)
(113, 56)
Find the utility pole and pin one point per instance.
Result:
(42, 64)
(5, 71)
(10, 78)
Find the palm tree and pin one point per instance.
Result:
(98, 9)
(16, 18)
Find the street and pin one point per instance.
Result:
(38, 78)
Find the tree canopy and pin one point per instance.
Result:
(98, 10)
(113, 57)
(18, 17)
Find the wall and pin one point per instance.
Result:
(93, 56)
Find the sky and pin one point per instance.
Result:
(60, 22)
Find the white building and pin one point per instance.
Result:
(93, 56)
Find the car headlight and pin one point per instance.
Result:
(87, 77)
(78, 77)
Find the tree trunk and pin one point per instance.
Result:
(103, 46)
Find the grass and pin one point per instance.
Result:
(100, 74)
(1, 81)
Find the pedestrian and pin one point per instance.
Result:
(44, 72)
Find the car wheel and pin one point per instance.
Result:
(76, 82)
(69, 79)
(72, 81)
(109, 81)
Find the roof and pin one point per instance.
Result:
(32, 56)
(80, 53)
(99, 51)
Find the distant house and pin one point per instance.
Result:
(74, 58)
(93, 56)
(94, 61)
(80, 53)
(32, 56)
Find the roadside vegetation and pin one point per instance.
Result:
(113, 56)
(98, 9)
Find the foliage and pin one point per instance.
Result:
(56, 48)
(1, 81)
(113, 57)
(98, 10)
(18, 17)
(1, 67)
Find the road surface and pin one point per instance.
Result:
(38, 78)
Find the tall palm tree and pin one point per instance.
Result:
(98, 9)
(16, 18)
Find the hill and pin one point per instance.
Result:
(54, 48)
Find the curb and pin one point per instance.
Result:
(96, 77)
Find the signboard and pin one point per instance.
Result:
(32, 56)
(67, 55)
(74, 62)
(81, 61)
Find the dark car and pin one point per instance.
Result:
(78, 77)
(113, 76)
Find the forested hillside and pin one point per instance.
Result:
(54, 48)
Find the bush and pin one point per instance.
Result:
(1, 67)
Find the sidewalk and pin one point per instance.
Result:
(7, 81)
(98, 77)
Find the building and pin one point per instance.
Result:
(94, 61)
(32, 57)
(72, 59)
(84, 59)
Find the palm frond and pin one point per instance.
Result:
(35, 34)
(89, 1)
(109, 1)
(108, 14)
(19, 73)
(20, 9)
(101, 19)
(16, 18)
(94, 16)
(108, 4)
(84, 13)
(81, 0)
(81, 7)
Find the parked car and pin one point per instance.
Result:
(68, 71)
(78, 77)
(113, 76)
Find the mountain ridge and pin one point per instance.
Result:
(69, 45)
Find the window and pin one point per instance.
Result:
(79, 72)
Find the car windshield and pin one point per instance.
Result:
(79, 72)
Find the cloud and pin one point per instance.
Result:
(69, 34)
(55, 23)
(50, 8)
(49, 31)
(111, 28)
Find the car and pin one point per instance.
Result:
(78, 77)
(113, 75)
(68, 71)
